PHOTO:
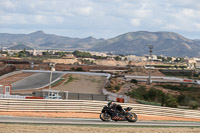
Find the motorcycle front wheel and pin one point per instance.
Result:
(105, 117)
(131, 117)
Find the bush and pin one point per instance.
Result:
(169, 101)
(180, 87)
(194, 105)
(77, 69)
(154, 95)
(138, 93)
(184, 100)
(117, 87)
(134, 81)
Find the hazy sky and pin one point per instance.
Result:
(100, 18)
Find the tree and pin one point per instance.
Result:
(23, 53)
(169, 101)
(81, 54)
(45, 53)
(117, 58)
(154, 95)
(134, 81)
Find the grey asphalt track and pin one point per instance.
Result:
(81, 121)
(41, 78)
(34, 81)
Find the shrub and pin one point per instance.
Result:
(138, 93)
(117, 87)
(154, 95)
(194, 105)
(134, 81)
(77, 69)
(169, 101)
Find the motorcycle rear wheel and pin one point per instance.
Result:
(131, 117)
(105, 117)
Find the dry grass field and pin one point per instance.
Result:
(36, 128)
(77, 83)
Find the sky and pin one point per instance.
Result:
(100, 18)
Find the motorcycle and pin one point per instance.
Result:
(108, 114)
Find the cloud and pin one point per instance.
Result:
(197, 25)
(85, 10)
(171, 27)
(135, 22)
(7, 4)
(96, 16)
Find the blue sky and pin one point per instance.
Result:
(100, 18)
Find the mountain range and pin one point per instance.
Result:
(164, 43)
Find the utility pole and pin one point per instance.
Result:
(1, 51)
(52, 66)
(150, 57)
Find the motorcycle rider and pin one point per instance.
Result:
(115, 108)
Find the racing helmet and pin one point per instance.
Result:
(110, 103)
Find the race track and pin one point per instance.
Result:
(81, 121)
(34, 81)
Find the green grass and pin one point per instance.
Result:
(57, 82)
(70, 79)
(148, 103)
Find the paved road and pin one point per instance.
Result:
(71, 72)
(163, 79)
(41, 78)
(81, 121)
(34, 81)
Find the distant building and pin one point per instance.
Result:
(135, 58)
(68, 56)
(37, 52)
(193, 63)
(198, 64)
(3, 55)
(99, 54)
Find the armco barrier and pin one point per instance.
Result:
(49, 105)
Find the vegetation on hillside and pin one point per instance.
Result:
(86, 55)
(154, 95)
(188, 74)
(164, 99)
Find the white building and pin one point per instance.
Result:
(193, 63)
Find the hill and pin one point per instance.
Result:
(20, 47)
(41, 40)
(165, 43)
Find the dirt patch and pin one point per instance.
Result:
(14, 78)
(27, 128)
(89, 115)
(82, 84)
(141, 71)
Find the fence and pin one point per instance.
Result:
(74, 96)
(113, 96)
(44, 105)
(12, 96)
